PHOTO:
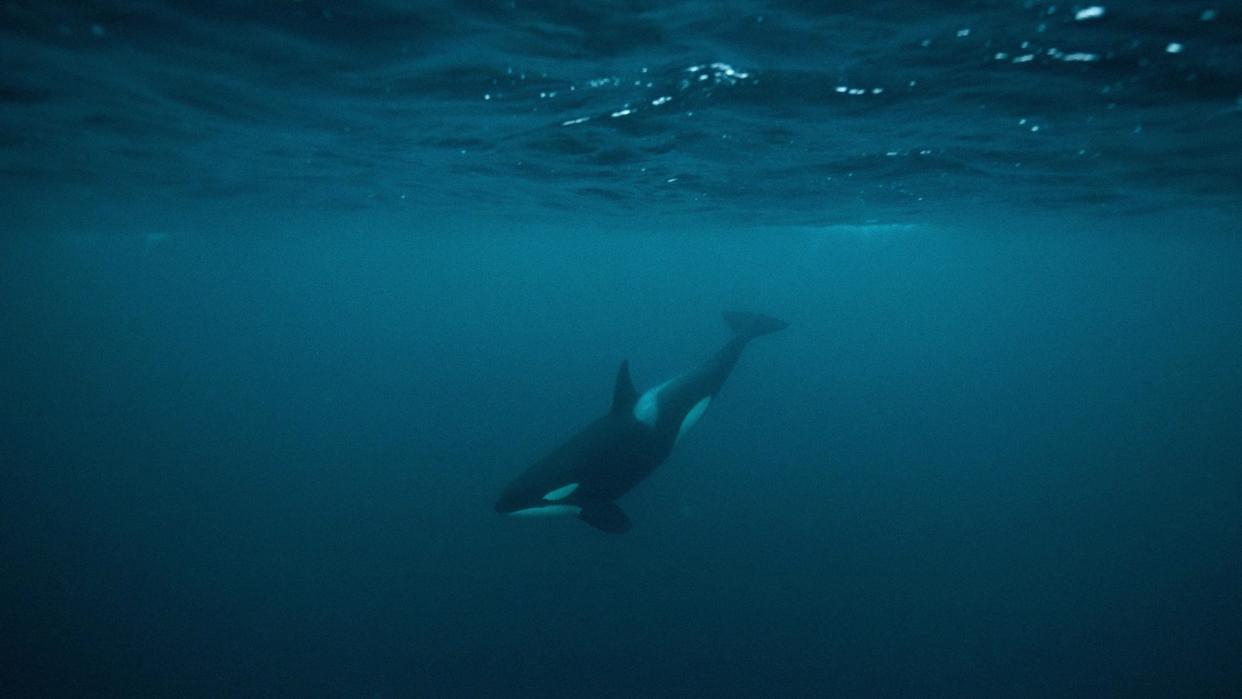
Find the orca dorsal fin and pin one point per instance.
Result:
(605, 516)
(624, 396)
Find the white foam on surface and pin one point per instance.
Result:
(1093, 12)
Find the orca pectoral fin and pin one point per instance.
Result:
(605, 516)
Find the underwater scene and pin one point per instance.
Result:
(531, 348)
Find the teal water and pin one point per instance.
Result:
(289, 292)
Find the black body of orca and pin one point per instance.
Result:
(585, 475)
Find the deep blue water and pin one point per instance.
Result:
(290, 290)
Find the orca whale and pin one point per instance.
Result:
(585, 475)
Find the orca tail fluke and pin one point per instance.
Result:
(751, 325)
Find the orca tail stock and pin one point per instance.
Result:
(748, 326)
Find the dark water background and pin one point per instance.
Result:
(288, 290)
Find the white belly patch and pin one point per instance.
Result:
(692, 417)
(548, 511)
(647, 409)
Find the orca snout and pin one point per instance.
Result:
(508, 501)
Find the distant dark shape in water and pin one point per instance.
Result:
(610, 456)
